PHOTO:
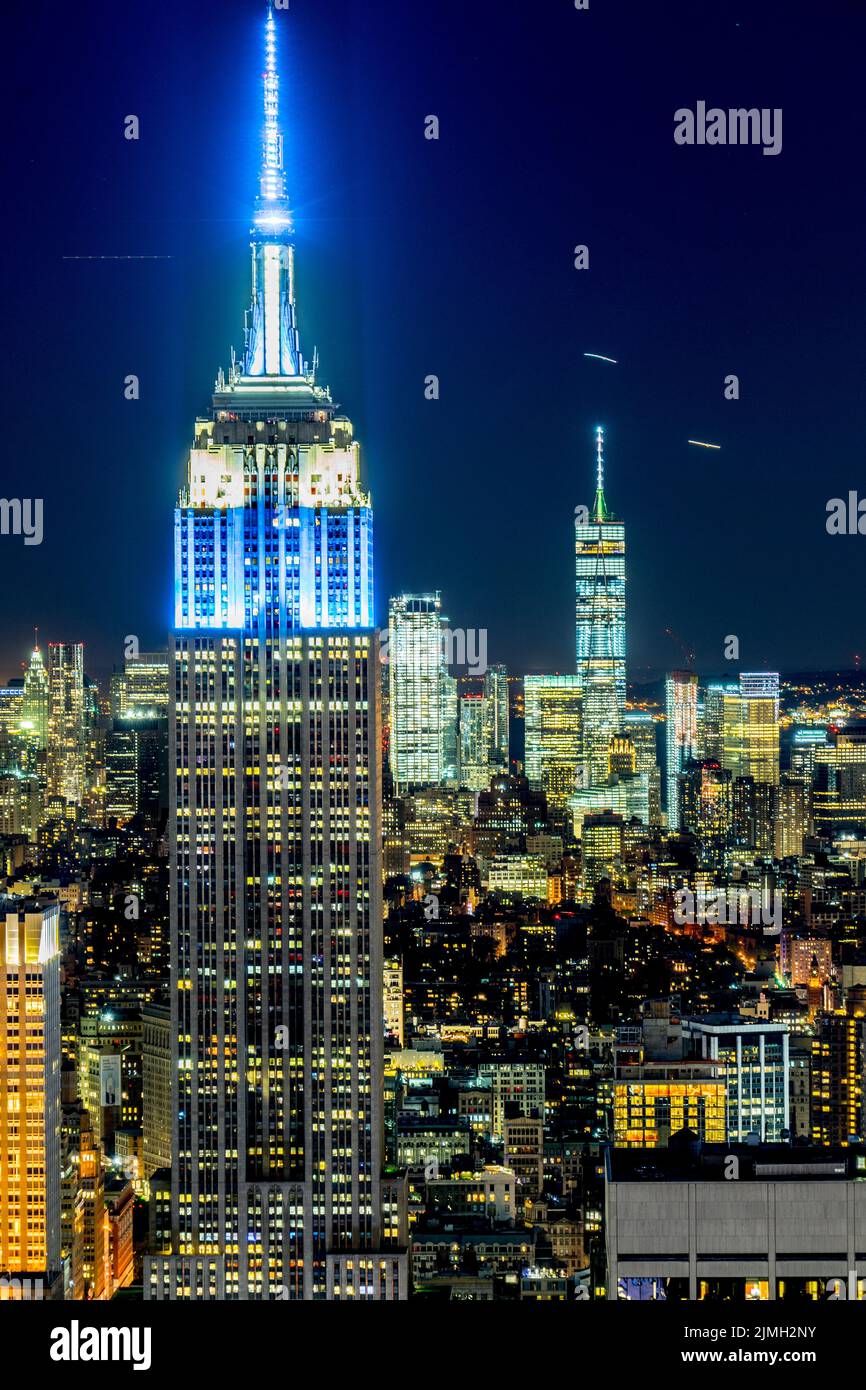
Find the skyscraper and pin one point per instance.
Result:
(601, 848)
(67, 724)
(276, 829)
(750, 727)
(838, 1056)
(681, 735)
(20, 803)
(840, 781)
(600, 622)
(156, 1110)
(640, 727)
(144, 693)
(805, 744)
(475, 769)
(496, 714)
(553, 710)
(120, 773)
(760, 695)
(135, 758)
(30, 1113)
(792, 815)
(420, 690)
(706, 809)
(449, 727)
(712, 720)
(34, 712)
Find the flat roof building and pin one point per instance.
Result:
(735, 1221)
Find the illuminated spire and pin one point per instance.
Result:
(600, 509)
(272, 347)
(272, 205)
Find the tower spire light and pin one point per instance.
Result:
(600, 504)
(272, 347)
(272, 184)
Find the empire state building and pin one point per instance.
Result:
(277, 1189)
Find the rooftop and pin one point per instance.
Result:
(757, 1163)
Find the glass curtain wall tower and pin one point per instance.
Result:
(67, 734)
(553, 722)
(277, 1188)
(600, 622)
(681, 736)
(496, 714)
(419, 690)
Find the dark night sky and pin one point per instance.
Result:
(456, 258)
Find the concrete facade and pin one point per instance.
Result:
(787, 1216)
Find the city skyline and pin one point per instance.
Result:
(360, 236)
(390, 927)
